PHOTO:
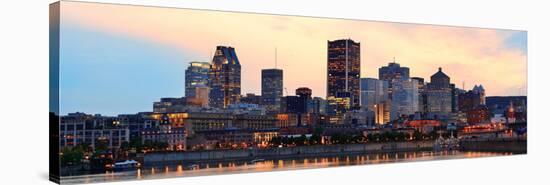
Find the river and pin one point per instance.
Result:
(202, 169)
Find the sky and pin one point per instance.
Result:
(119, 59)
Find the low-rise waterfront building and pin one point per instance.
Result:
(93, 130)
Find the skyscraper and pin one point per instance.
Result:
(393, 72)
(344, 68)
(404, 98)
(422, 104)
(439, 94)
(272, 89)
(304, 95)
(373, 91)
(224, 78)
(374, 97)
(196, 75)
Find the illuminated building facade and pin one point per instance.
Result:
(196, 75)
(381, 113)
(80, 128)
(344, 69)
(480, 114)
(224, 78)
(174, 137)
(198, 122)
(337, 107)
(201, 96)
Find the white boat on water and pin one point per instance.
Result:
(126, 165)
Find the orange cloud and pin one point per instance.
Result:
(469, 55)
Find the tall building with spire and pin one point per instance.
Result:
(393, 72)
(344, 69)
(224, 78)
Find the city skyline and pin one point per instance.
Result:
(169, 54)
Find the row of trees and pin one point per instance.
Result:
(296, 141)
(350, 138)
(147, 145)
(71, 156)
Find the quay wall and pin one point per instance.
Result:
(285, 152)
(517, 146)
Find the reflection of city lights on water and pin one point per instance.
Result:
(179, 170)
(284, 164)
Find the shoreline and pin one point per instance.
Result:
(153, 159)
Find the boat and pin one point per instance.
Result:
(126, 165)
(257, 160)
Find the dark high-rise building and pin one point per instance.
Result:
(344, 69)
(295, 104)
(304, 92)
(196, 75)
(224, 78)
(272, 89)
(251, 98)
(304, 95)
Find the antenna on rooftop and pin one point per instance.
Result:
(286, 91)
(275, 57)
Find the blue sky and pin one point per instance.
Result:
(113, 74)
(518, 40)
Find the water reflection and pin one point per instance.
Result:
(200, 169)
